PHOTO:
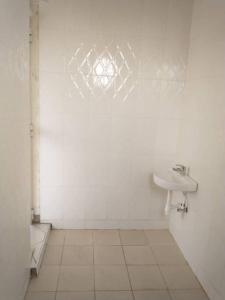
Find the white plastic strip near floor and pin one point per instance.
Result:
(39, 236)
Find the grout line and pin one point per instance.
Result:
(60, 265)
(126, 266)
(92, 233)
(164, 280)
(61, 256)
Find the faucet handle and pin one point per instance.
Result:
(181, 166)
(180, 169)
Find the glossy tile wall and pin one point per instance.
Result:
(200, 234)
(14, 149)
(112, 77)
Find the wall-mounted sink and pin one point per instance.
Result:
(176, 180)
(173, 181)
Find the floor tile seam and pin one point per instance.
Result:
(75, 291)
(184, 265)
(159, 264)
(155, 261)
(151, 243)
(172, 245)
(187, 289)
(113, 290)
(64, 237)
(196, 289)
(93, 260)
(78, 245)
(58, 278)
(146, 237)
(107, 290)
(114, 264)
(110, 264)
(125, 290)
(59, 271)
(161, 273)
(126, 267)
(61, 256)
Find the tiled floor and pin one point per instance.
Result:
(114, 265)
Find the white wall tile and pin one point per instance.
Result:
(51, 203)
(52, 93)
(155, 15)
(109, 17)
(53, 14)
(120, 169)
(137, 211)
(167, 136)
(172, 98)
(122, 134)
(52, 50)
(100, 133)
(201, 146)
(209, 63)
(179, 18)
(174, 65)
(148, 100)
(74, 203)
(76, 132)
(146, 134)
(108, 139)
(95, 206)
(152, 58)
(76, 169)
(117, 204)
(100, 169)
(141, 170)
(76, 13)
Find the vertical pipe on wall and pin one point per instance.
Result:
(34, 98)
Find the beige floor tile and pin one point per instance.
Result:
(56, 237)
(108, 255)
(106, 237)
(46, 280)
(179, 277)
(189, 295)
(151, 295)
(40, 296)
(79, 237)
(168, 255)
(112, 278)
(146, 277)
(77, 255)
(53, 255)
(159, 237)
(122, 295)
(75, 296)
(77, 278)
(133, 237)
(138, 255)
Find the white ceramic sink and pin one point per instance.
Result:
(173, 181)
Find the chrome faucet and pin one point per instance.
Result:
(182, 170)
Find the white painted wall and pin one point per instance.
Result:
(200, 233)
(99, 146)
(14, 149)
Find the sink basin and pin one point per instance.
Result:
(173, 181)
